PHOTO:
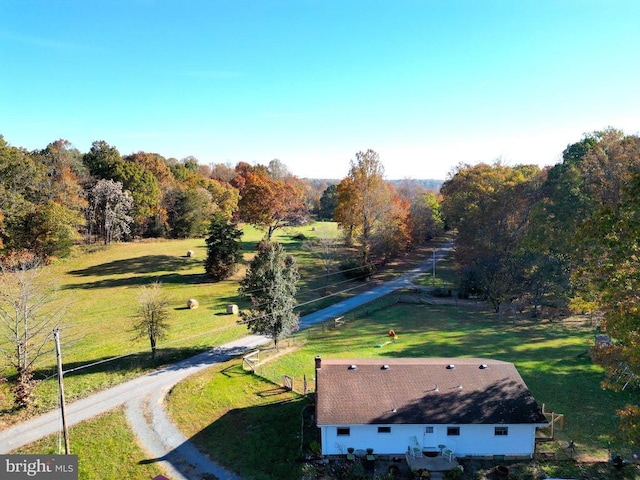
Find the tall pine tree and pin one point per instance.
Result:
(270, 285)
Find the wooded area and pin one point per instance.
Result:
(558, 239)
(53, 198)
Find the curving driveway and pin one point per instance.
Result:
(144, 396)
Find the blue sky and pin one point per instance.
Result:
(427, 84)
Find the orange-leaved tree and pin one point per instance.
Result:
(268, 203)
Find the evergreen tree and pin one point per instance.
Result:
(270, 285)
(223, 248)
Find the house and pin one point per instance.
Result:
(469, 406)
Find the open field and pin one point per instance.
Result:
(549, 355)
(98, 289)
(101, 290)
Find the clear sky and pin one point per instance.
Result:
(426, 83)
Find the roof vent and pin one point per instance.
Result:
(353, 367)
(436, 389)
(451, 366)
(484, 366)
(385, 367)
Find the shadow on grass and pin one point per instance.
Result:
(140, 280)
(256, 442)
(165, 358)
(139, 265)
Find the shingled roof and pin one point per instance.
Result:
(422, 391)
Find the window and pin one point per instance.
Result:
(344, 431)
(384, 429)
(453, 431)
(428, 430)
(501, 431)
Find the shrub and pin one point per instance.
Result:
(353, 270)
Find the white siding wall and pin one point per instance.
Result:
(481, 440)
(367, 436)
(473, 439)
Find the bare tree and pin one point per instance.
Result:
(109, 211)
(152, 315)
(325, 247)
(27, 319)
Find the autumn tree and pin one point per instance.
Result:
(268, 203)
(394, 236)
(426, 217)
(271, 285)
(489, 205)
(613, 273)
(224, 197)
(223, 172)
(223, 248)
(364, 201)
(152, 316)
(56, 222)
(592, 175)
(278, 170)
(27, 319)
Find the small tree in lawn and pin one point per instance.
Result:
(270, 285)
(152, 315)
(223, 248)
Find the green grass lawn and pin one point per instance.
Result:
(98, 287)
(251, 425)
(548, 355)
(106, 449)
(230, 412)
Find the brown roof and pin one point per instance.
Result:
(423, 391)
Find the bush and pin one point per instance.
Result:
(352, 269)
(453, 474)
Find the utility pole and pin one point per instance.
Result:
(56, 337)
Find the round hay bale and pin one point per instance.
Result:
(192, 303)
(190, 253)
(232, 309)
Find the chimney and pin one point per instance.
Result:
(318, 362)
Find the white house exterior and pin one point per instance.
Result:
(473, 406)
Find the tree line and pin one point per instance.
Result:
(564, 238)
(53, 198)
